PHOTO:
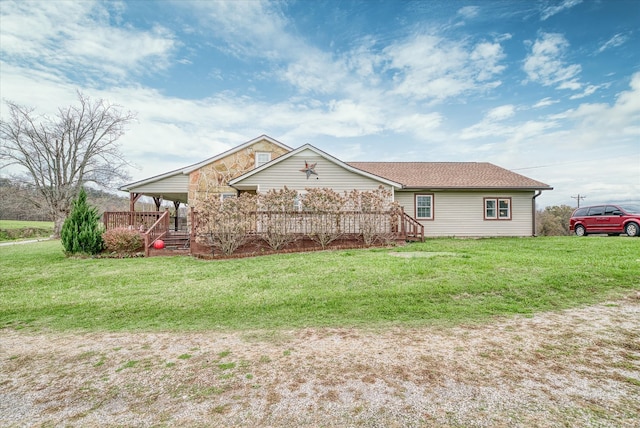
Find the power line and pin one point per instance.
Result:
(579, 197)
(568, 163)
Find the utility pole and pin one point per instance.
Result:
(579, 197)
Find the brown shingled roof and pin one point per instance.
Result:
(449, 175)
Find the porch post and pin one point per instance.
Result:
(192, 223)
(133, 198)
(176, 205)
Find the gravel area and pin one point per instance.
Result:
(578, 367)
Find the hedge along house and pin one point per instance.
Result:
(465, 199)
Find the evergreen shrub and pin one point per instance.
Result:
(82, 231)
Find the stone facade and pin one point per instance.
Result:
(212, 178)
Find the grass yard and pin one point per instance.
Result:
(448, 333)
(441, 281)
(17, 229)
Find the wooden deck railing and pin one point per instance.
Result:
(398, 225)
(131, 219)
(157, 231)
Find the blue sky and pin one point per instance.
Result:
(549, 89)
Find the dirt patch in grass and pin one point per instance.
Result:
(422, 254)
(577, 367)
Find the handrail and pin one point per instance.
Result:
(158, 230)
(412, 227)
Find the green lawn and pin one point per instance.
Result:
(11, 230)
(447, 281)
(20, 224)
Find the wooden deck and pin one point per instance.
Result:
(155, 225)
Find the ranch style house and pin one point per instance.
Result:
(457, 199)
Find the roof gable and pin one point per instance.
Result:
(188, 169)
(193, 167)
(322, 154)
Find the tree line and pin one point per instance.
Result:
(22, 201)
(554, 221)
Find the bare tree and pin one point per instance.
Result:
(60, 154)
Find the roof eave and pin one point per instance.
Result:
(129, 186)
(413, 187)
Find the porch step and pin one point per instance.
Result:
(176, 241)
(414, 238)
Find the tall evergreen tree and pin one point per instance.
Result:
(82, 230)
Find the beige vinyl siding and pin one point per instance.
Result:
(462, 213)
(287, 173)
(178, 183)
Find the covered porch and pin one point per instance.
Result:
(170, 223)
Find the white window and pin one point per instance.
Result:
(497, 208)
(262, 158)
(227, 195)
(424, 207)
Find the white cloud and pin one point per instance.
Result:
(469, 12)
(492, 124)
(545, 102)
(248, 28)
(501, 112)
(71, 37)
(419, 125)
(485, 56)
(548, 11)
(545, 63)
(593, 150)
(613, 42)
(589, 90)
(428, 67)
(604, 122)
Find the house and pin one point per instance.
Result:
(464, 199)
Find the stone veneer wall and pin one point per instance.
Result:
(213, 178)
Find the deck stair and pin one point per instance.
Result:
(175, 244)
(412, 228)
(177, 240)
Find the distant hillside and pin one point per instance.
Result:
(22, 202)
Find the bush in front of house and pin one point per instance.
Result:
(122, 240)
(278, 226)
(227, 223)
(82, 231)
(281, 217)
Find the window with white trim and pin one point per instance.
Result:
(497, 208)
(262, 158)
(224, 196)
(424, 207)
